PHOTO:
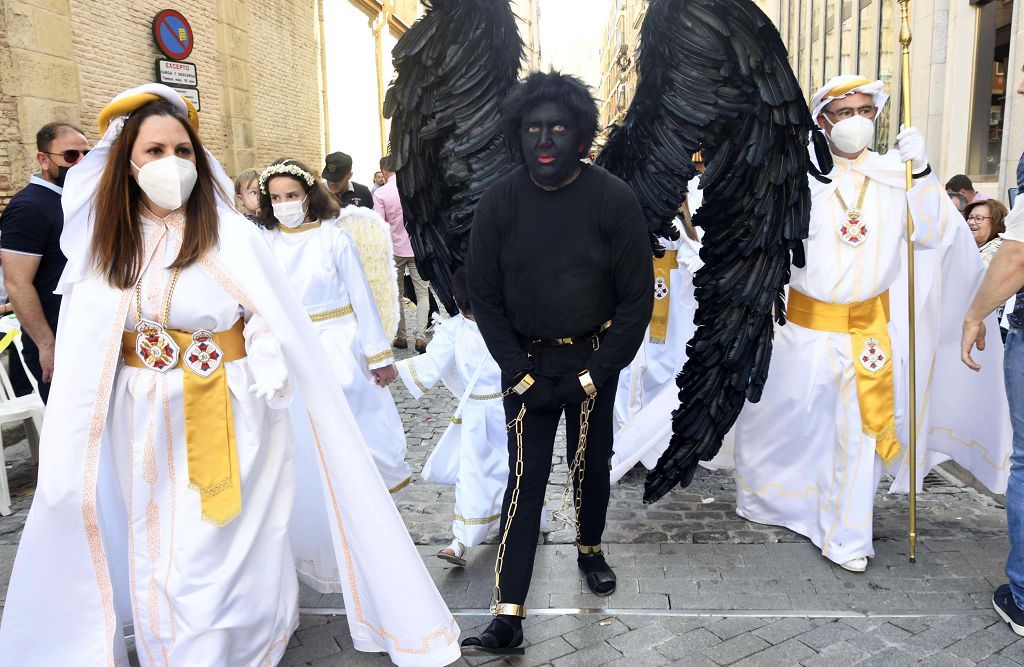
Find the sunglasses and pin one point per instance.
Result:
(71, 155)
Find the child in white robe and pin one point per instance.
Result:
(322, 263)
(473, 452)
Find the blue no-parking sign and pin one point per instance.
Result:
(173, 34)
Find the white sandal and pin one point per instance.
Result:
(453, 553)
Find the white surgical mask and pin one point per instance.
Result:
(853, 134)
(290, 213)
(168, 182)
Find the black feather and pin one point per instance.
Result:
(714, 75)
(454, 68)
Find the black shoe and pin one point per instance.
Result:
(1006, 607)
(601, 579)
(504, 636)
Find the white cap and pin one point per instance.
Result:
(844, 85)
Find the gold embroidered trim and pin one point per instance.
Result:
(401, 485)
(585, 550)
(335, 314)
(444, 633)
(416, 377)
(475, 522)
(485, 397)
(304, 227)
(380, 356)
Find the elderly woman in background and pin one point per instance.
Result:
(986, 220)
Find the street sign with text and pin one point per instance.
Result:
(176, 73)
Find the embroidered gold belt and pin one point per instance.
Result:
(334, 314)
(867, 324)
(213, 468)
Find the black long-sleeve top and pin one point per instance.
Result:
(559, 264)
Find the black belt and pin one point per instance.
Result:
(564, 342)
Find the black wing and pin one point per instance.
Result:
(714, 76)
(453, 69)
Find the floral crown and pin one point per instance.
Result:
(283, 168)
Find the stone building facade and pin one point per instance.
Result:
(258, 61)
(966, 64)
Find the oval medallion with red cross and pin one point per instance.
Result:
(873, 358)
(155, 347)
(203, 356)
(854, 231)
(660, 288)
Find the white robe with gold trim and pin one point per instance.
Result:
(115, 536)
(802, 460)
(472, 453)
(323, 266)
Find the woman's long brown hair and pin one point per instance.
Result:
(117, 233)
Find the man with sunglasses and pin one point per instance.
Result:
(811, 453)
(30, 229)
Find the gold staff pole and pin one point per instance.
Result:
(905, 38)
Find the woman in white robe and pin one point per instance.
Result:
(119, 531)
(473, 452)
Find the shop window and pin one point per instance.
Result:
(867, 57)
(990, 88)
(817, 44)
(888, 72)
(848, 40)
(831, 41)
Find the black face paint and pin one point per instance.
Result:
(550, 138)
(62, 173)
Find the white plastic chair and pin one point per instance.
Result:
(26, 409)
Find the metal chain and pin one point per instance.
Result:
(167, 299)
(578, 466)
(513, 505)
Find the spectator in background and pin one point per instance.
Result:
(247, 194)
(337, 175)
(961, 184)
(378, 181)
(1004, 278)
(388, 204)
(30, 229)
(958, 200)
(987, 221)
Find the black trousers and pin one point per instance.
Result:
(21, 386)
(539, 427)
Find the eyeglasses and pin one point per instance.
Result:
(979, 218)
(850, 112)
(70, 155)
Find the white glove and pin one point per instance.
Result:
(910, 143)
(269, 372)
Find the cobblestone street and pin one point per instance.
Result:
(697, 584)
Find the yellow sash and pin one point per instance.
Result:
(867, 324)
(663, 267)
(209, 426)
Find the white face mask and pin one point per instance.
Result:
(290, 213)
(168, 182)
(853, 135)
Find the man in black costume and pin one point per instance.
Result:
(561, 281)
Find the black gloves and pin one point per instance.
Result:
(540, 395)
(572, 388)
